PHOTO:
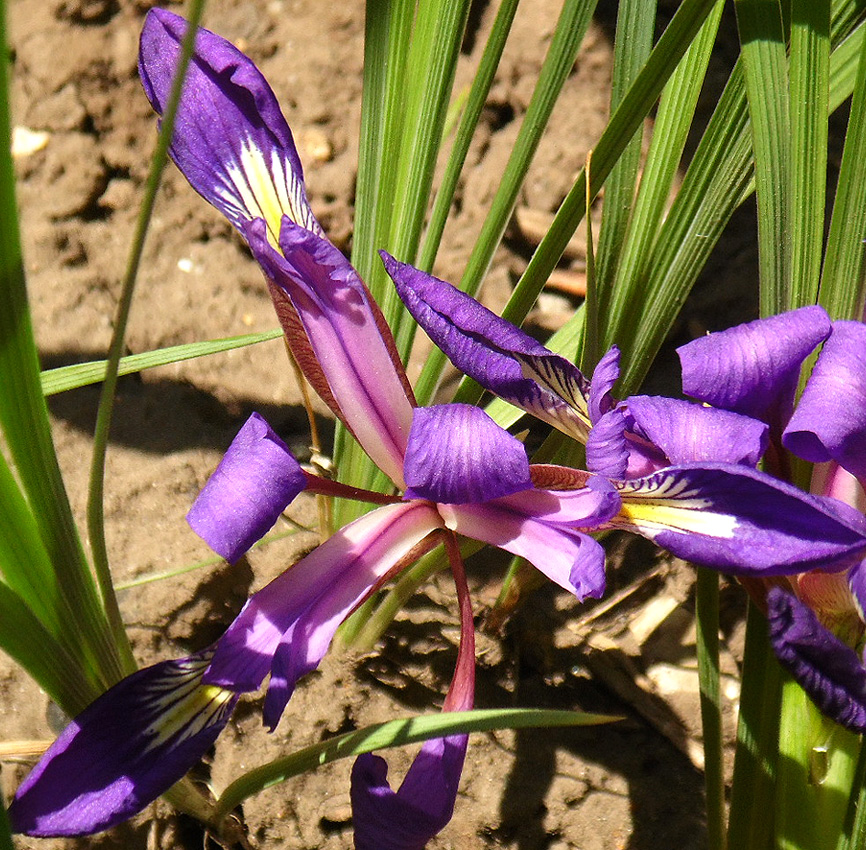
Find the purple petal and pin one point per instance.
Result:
(604, 377)
(340, 320)
(287, 626)
(607, 451)
(493, 351)
(457, 453)
(123, 751)
(254, 483)
(423, 805)
(753, 368)
(543, 526)
(408, 818)
(686, 432)
(829, 671)
(740, 520)
(230, 138)
(830, 419)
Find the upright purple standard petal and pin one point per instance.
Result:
(740, 521)
(829, 671)
(457, 453)
(230, 138)
(494, 352)
(341, 322)
(286, 627)
(830, 419)
(753, 368)
(691, 433)
(408, 818)
(254, 483)
(123, 751)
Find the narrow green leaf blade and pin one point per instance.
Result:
(397, 733)
(77, 375)
(765, 63)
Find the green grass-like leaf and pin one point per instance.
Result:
(82, 374)
(396, 733)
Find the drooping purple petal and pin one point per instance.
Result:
(830, 419)
(123, 751)
(828, 670)
(254, 483)
(691, 433)
(340, 321)
(457, 453)
(287, 626)
(408, 818)
(230, 138)
(545, 527)
(493, 351)
(753, 368)
(740, 521)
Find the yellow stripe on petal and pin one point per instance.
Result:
(653, 505)
(270, 190)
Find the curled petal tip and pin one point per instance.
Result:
(254, 483)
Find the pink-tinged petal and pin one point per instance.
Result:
(545, 528)
(604, 377)
(254, 483)
(830, 420)
(740, 521)
(287, 626)
(691, 433)
(230, 138)
(123, 751)
(494, 352)
(753, 368)
(408, 818)
(340, 321)
(828, 670)
(830, 479)
(457, 453)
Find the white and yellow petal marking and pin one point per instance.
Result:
(268, 190)
(669, 503)
(181, 706)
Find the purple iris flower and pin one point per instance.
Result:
(816, 619)
(460, 473)
(684, 472)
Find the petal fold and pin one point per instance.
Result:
(547, 528)
(230, 140)
(753, 368)
(254, 483)
(457, 453)
(828, 670)
(352, 347)
(830, 420)
(123, 751)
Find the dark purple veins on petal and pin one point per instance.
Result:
(123, 751)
